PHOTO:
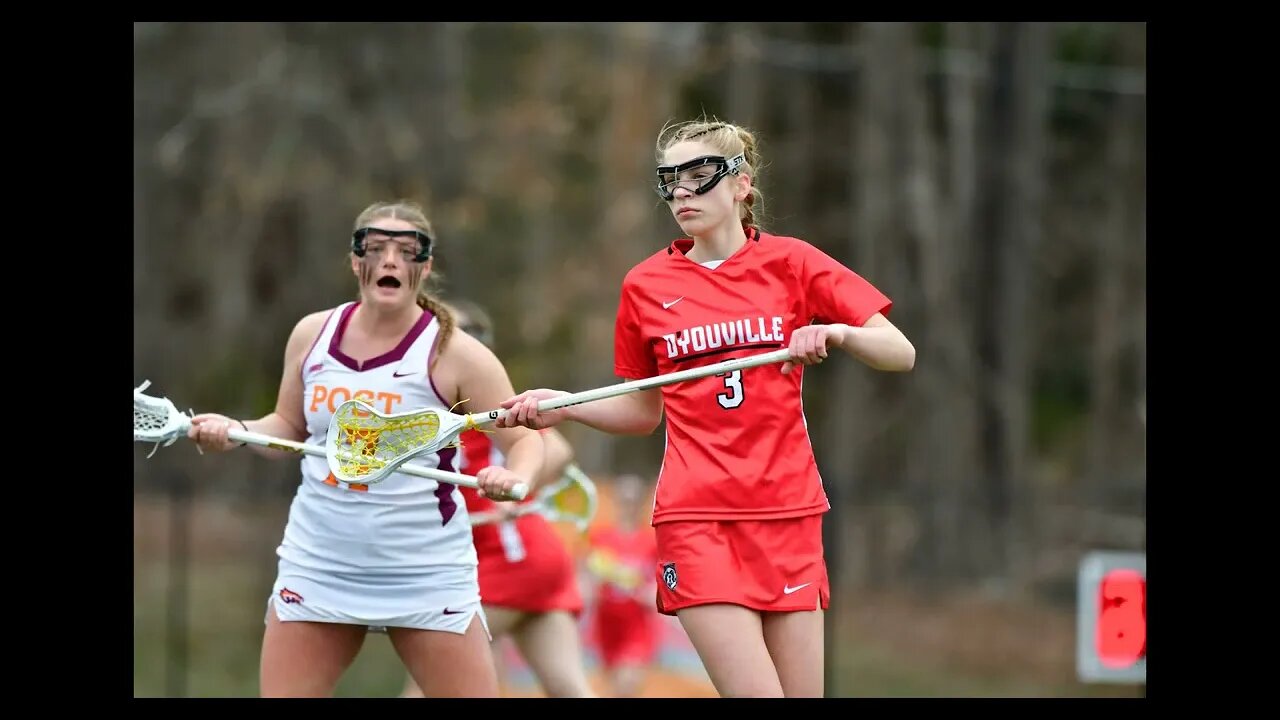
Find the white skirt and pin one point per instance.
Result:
(446, 598)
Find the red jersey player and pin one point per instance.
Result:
(528, 578)
(739, 501)
(622, 556)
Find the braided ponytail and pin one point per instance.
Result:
(436, 307)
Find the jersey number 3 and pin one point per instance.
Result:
(733, 395)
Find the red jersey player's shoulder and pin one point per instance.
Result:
(785, 244)
(654, 269)
(796, 252)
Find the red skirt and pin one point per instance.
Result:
(525, 566)
(767, 565)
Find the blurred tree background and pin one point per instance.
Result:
(989, 177)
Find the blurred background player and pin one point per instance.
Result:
(623, 556)
(528, 583)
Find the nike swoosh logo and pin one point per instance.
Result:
(787, 589)
(667, 305)
(447, 611)
(397, 373)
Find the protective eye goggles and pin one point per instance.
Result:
(698, 175)
(359, 236)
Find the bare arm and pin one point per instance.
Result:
(878, 343)
(559, 454)
(635, 413)
(287, 420)
(483, 382)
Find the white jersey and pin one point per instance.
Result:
(399, 529)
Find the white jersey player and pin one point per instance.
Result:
(398, 554)
(407, 536)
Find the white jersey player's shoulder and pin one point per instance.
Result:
(307, 330)
(312, 323)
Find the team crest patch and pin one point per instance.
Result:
(669, 575)
(290, 596)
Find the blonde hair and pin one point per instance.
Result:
(412, 213)
(729, 140)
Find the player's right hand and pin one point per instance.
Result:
(209, 431)
(522, 410)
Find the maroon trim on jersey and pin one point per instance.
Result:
(302, 369)
(444, 490)
(436, 390)
(393, 355)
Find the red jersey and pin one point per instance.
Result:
(478, 452)
(523, 564)
(737, 445)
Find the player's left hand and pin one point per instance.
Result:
(496, 482)
(809, 344)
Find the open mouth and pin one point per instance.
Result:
(388, 281)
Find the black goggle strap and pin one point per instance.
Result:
(725, 167)
(424, 241)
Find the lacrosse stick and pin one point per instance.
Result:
(365, 444)
(570, 499)
(157, 420)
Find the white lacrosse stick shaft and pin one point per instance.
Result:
(408, 469)
(586, 396)
(451, 425)
(179, 424)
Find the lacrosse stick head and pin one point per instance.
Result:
(156, 420)
(365, 446)
(570, 499)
